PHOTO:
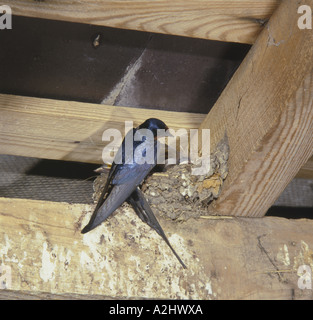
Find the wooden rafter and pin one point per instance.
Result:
(232, 20)
(267, 111)
(26, 130)
(306, 172)
(68, 130)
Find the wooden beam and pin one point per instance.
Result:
(68, 130)
(26, 130)
(236, 21)
(267, 111)
(44, 253)
(306, 172)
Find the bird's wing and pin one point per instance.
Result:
(116, 170)
(131, 168)
(145, 213)
(118, 195)
(114, 193)
(122, 181)
(105, 189)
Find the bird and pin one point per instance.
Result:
(125, 177)
(126, 174)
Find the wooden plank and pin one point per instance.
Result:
(26, 128)
(266, 110)
(236, 21)
(7, 294)
(68, 130)
(306, 172)
(235, 258)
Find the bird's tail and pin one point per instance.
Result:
(145, 213)
(116, 197)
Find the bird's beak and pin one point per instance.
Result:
(102, 169)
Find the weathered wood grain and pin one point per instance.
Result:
(267, 111)
(236, 21)
(231, 258)
(67, 130)
(306, 171)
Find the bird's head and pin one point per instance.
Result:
(153, 124)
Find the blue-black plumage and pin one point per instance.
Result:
(124, 179)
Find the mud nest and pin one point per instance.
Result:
(176, 194)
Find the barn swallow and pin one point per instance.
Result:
(122, 185)
(145, 213)
(124, 177)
